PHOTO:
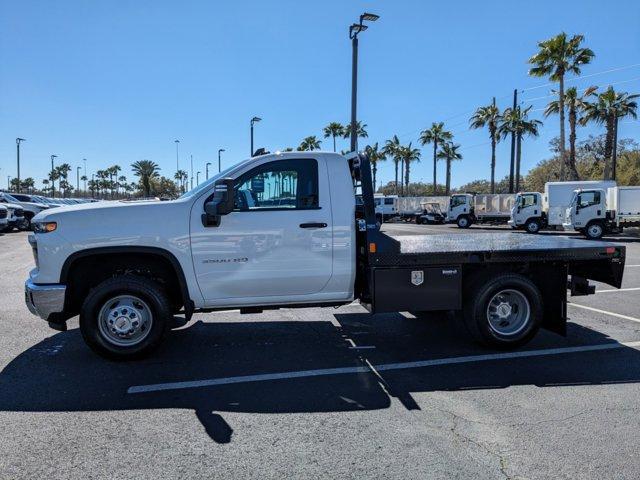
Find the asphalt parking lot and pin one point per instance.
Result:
(333, 393)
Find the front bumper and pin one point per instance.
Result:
(44, 300)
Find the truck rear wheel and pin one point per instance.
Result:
(532, 226)
(505, 310)
(594, 231)
(463, 221)
(125, 317)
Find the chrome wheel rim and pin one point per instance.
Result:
(508, 312)
(595, 230)
(533, 227)
(463, 222)
(125, 320)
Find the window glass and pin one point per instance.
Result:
(457, 200)
(280, 185)
(528, 200)
(21, 198)
(377, 201)
(388, 201)
(589, 198)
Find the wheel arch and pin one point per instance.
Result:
(168, 263)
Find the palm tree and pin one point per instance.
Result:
(436, 134)
(488, 116)
(309, 144)
(517, 121)
(556, 57)
(449, 152)
(375, 156)
(392, 149)
(45, 183)
(334, 129)
(607, 109)
(361, 131)
(146, 170)
(181, 178)
(575, 103)
(408, 155)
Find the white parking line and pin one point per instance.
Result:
(613, 314)
(379, 368)
(618, 290)
(632, 266)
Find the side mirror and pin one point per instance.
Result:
(221, 204)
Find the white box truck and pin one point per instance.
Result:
(558, 195)
(595, 212)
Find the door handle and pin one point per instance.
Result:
(313, 225)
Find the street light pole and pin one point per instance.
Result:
(253, 120)
(8, 183)
(192, 173)
(177, 161)
(18, 140)
(197, 178)
(222, 150)
(85, 176)
(53, 176)
(206, 168)
(354, 30)
(78, 180)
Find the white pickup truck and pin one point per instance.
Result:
(302, 240)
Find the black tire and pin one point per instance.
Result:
(99, 297)
(463, 221)
(483, 290)
(594, 230)
(27, 217)
(532, 226)
(418, 221)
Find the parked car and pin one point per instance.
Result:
(4, 218)
(15, 217)
(132, 266)
(30, 205)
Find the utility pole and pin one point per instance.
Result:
(18, 140)
(220, 150)
(53, 176)
(354, 30)
(513, 144)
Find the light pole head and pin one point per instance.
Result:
(18, 140)
(208, 163)
(54, 156)
(255, 119)
(369, 17)
(176, 141)
(221, 150)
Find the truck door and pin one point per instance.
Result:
(457, 206)
(528, 207)
(276, 243)
(589, 206)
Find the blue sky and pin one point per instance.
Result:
(119, 81)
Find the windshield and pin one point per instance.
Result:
(574, 198)
(206, 184)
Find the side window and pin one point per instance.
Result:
(529, 200)
(455, 201)
(388, 201)
(589, 198)
(279, 185)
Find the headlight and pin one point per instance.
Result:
(44, 227)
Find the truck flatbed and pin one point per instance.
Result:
(489, 247)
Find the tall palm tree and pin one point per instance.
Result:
(449, 152)
(361, 131)
(375, 156)
(608, 107)
(334, 129)
(556, 57)
(437, 135)
(181, 177)
(408, 156)
(575, 104)
(516, 120)
(488, 116)
(309, 144)
(392, 149)
(146, 170)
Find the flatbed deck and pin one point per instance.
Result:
(488, 247)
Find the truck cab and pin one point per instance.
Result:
(461, 210)
(386, 207)
(527, 212)
(587, 213)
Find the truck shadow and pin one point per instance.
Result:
(60, 374)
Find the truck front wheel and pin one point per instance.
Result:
(125, 317)
(505, 310)
(594, 231)
(532, 226)
(463, 221)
